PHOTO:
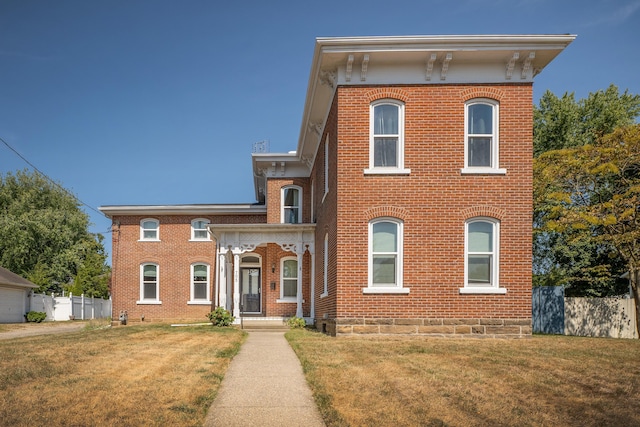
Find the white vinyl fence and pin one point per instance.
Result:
(69, 308)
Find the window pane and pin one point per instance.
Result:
(384, 269)
(479, 151)
(149, 273)
(480, 269)
(291, 197)
(149, 225)
(200, 234)
(149, 234)
(385, 237)
(289, 288)
(199, 272)
(480, 237)
(291, 215)
(385, 120)
(149, 290)
(290, 269)
(480, 119)
(200, 291)
(385, 153)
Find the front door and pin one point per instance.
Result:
(250, 290)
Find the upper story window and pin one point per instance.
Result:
(481, 137)
(200, 284)
(385, 256)
(149, 229)
(291, 205)
(482, 243)
(199, 229)
(149, 284)
(386, 135)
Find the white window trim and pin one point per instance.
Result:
(282, 206)
(495, 168)
(326, 168)
(398, 288)
(193, 231)
(142, 229)
(399, 169)
(282, 298)
(193, 301)
(325, 267)
(495, 267)
(155, 301)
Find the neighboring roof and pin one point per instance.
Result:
(403, 60)
(213, 209)
(12, 279)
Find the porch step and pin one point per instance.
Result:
(261, 323)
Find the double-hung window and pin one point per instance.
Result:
(149, 284)
(386, 135)
(291, 205)
(385, 256)
(199, 284)
(481, 137)
(482, 256)
(289, 279)
(149, 229)
(199, 229)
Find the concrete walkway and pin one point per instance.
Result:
(264, 386)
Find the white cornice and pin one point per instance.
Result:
(227, 209)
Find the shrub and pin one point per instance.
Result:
(296, 323)
(36, 316)
(220, 317)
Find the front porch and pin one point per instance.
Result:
(265, 272)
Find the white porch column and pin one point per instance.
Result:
(312, 313)
(222, 280)
(300, 253)
(236, 284)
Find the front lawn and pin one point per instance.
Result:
(134, 375)
(543, 381)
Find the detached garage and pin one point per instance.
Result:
(14, 292)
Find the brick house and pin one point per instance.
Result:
(406, 207)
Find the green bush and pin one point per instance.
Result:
(296, 323)
(220, 317)
(36, 316)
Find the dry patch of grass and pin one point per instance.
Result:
(134, 375)
(546, 380)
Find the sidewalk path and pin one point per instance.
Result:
(264, 386)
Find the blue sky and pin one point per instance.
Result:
(135, 102)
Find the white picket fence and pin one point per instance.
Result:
(69, 308)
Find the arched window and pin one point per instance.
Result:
(199, 229)
(482, 250)
(385, 253)
(150, 229)
(291, 204)
(386, 133)
(149, 284)
(481, 151)
(289, 278)
(200, 284)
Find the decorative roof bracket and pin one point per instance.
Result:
(349, 68)
(365, 65)
(328, 78)
(445, 66)
(527, 65)
(430, 61)
(511, 64)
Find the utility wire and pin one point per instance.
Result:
(49, 179)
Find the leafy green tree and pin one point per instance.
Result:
(44, 233)
(593, 191)
(586, 266)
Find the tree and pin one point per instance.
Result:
(574, 258)
(593, 192)
(44, 234)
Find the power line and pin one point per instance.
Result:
(49, 179)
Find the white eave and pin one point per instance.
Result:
(213, 209)
(453, 59)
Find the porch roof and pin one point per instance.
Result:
(246, 237)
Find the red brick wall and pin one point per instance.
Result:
(434, 201)
(174, 254)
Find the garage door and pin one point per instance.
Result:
(12, 305)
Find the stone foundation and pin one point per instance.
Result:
(462, 328)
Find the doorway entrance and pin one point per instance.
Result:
(250, 285)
